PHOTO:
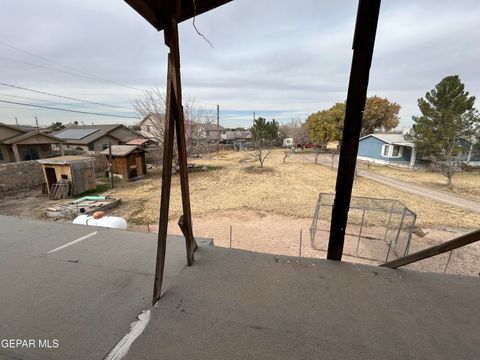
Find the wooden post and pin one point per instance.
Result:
(174, 121)
(363, 43)
(15, 153)
(110, 165)
(218, 128)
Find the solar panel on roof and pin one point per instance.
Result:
(75, 134)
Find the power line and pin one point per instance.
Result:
(68, 110)
(65, 72)
(64, 97)
(89, 75)
(83, 106)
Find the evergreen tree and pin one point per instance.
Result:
(448, 118)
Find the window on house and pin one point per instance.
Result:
(396, 150)
(386, 150)
(104, 146)
(1, 155)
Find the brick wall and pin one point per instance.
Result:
(19, 176)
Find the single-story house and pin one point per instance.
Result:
(209, 132)
(152, 127)
(95, 137)
(387, 149)
(22, 144)
(127, 161)
(395, 149)
(239, 139)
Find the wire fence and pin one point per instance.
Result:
(377, 229)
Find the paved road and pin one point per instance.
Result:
(437, 195)
(85, 295)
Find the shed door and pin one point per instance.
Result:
(139, 163)
(51, 177)
(83, 177)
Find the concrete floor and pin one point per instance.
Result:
(231, 304)
(85, 295)
(236, 304)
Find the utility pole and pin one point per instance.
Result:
(218, 128)
(110, 164)
(253, 118)
(16, 121)
(36, 121)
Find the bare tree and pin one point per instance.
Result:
(151, 107)
(261, 152)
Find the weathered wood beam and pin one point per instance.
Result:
(165, 192)
(363, 44)
(181, 142)
(174, 122)
(450, 245)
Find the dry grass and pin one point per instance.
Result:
(289, 189)
(464, 183)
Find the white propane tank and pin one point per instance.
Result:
(114, 222)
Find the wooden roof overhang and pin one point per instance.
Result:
(153, 10)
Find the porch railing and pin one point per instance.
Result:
(447, 246)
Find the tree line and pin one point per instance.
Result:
(448, 119)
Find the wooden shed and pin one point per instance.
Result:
(78, 172)
(127, 161)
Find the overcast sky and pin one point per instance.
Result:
(281, 59)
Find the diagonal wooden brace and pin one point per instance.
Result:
(174, 122)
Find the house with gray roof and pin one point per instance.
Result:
(387, 149)
(95, 137)
(395, 149)
(22, 143)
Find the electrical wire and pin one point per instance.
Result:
(68, 110)
(63, 97)
(62, 71)
(84, 73)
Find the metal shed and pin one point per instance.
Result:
(78, 172)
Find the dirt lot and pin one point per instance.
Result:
(267, 208)
(289, 189)
(267, 232)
